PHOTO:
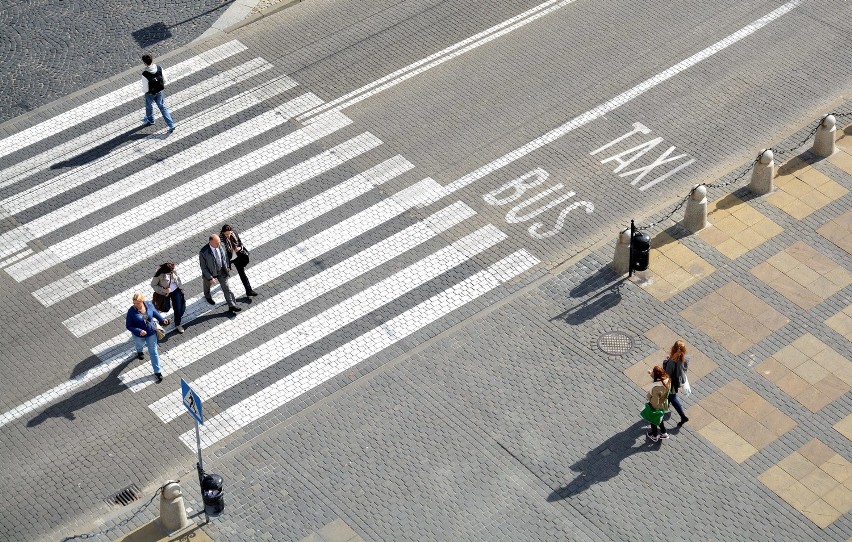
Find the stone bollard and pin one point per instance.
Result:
(621, 260)
(695, 216)
(172, 510)
(763, 174)
(824, 138)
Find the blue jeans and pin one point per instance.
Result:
(677, 406)
(151, 341)
(178, 304)
(159, 99)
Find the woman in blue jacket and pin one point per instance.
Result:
(140, 322)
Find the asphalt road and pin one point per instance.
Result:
(555, 128)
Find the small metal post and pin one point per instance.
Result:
(200, 466)
(632, 231)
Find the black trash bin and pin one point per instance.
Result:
(213, 494)
(640, 251)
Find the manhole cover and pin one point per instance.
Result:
(615, 343)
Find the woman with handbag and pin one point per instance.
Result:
(238, 255)
(675, 366)
(658, 403)
(168, 290)
(141, 323)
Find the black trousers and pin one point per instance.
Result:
(241, 262)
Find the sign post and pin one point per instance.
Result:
(193, 404)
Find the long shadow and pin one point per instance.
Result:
(596, 304)
(103, 149)
(604, 462)
(110, 385)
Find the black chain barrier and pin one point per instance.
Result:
(122, 523)
(737, 178)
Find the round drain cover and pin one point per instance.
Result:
(615, 343)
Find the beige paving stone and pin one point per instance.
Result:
(811, 372)
(698, 417)
(821, 513)
(767, 228)
(766, 272)
(803, 275)
(840, 277)
(844, 426)
(748, 215)
(713, 235)
(797, 465)
(813, 400)
(831, 360)
(809, 345)
(772, 319)
(842, 322)
(777, 422)
(837, 467)
(816, 452)
(812, 177)
(798, 189)
(794, 291)
(845, 373)
(798, 496)
(831, 387)
(731, 248)
(790, 357)
(792, 384)
(727, 441)
(819, 199)
(839, 231)
(819, 482)
(781, 199)
(833, 190)
(842, 160)
(775, 478)
(736, 392)
(757, 435)
(823, 287)
(839, 498)
(772, 369)
(638, 372)
(719, 406)
(750, 239)
(730, 225)
(783, 261)
(662, 336)
(757, 407)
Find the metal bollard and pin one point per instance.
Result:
(172, 510)
(763, 173)
(695, 216)
(621, 260)
(825, 137)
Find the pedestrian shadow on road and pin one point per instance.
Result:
(604, 462)
(111, 385)
(602, 291)
(103, 149)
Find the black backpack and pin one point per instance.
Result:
(155, 80)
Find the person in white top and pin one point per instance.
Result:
(167, 283)
(154, 89)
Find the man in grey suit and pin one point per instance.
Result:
(214, 266)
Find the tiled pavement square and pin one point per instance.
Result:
(844, 427)
(815, 480)
(675, 267)
(734, 317)
(803, 275)
(809, 371)
(664, 338)
(804, 191)
(839, 230)
(734, 227)
(738, 421)
(842, 322)
(843, 159)
(336, 531)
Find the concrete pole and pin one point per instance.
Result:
(621, 260)
(763, 174)
(695, 216)
(825, 137)
(172, 510)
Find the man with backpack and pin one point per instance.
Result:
(153, 85)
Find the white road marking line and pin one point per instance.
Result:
(278, 184)
(90, 140)
(436, 59)
(273, 268)
(206, 183)
(619, 100)
(69, 180)
(170, 406)
(148, 177)
(340, 315)
(265, 232)
(117, 350)
(360, 349)
(95, 107)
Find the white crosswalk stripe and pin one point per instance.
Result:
(259, 235)
(91, 139)
(147, 179)
(69, 180)
(273, 397)
(91, 109)
(338, 316)
(304, 292)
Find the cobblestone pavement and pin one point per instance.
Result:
(431, 192)
(52, 48)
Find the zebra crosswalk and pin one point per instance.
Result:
(345, 269)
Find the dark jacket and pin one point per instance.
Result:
(676, 371)
(207, 261)
(136, 321)
(231, 245)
